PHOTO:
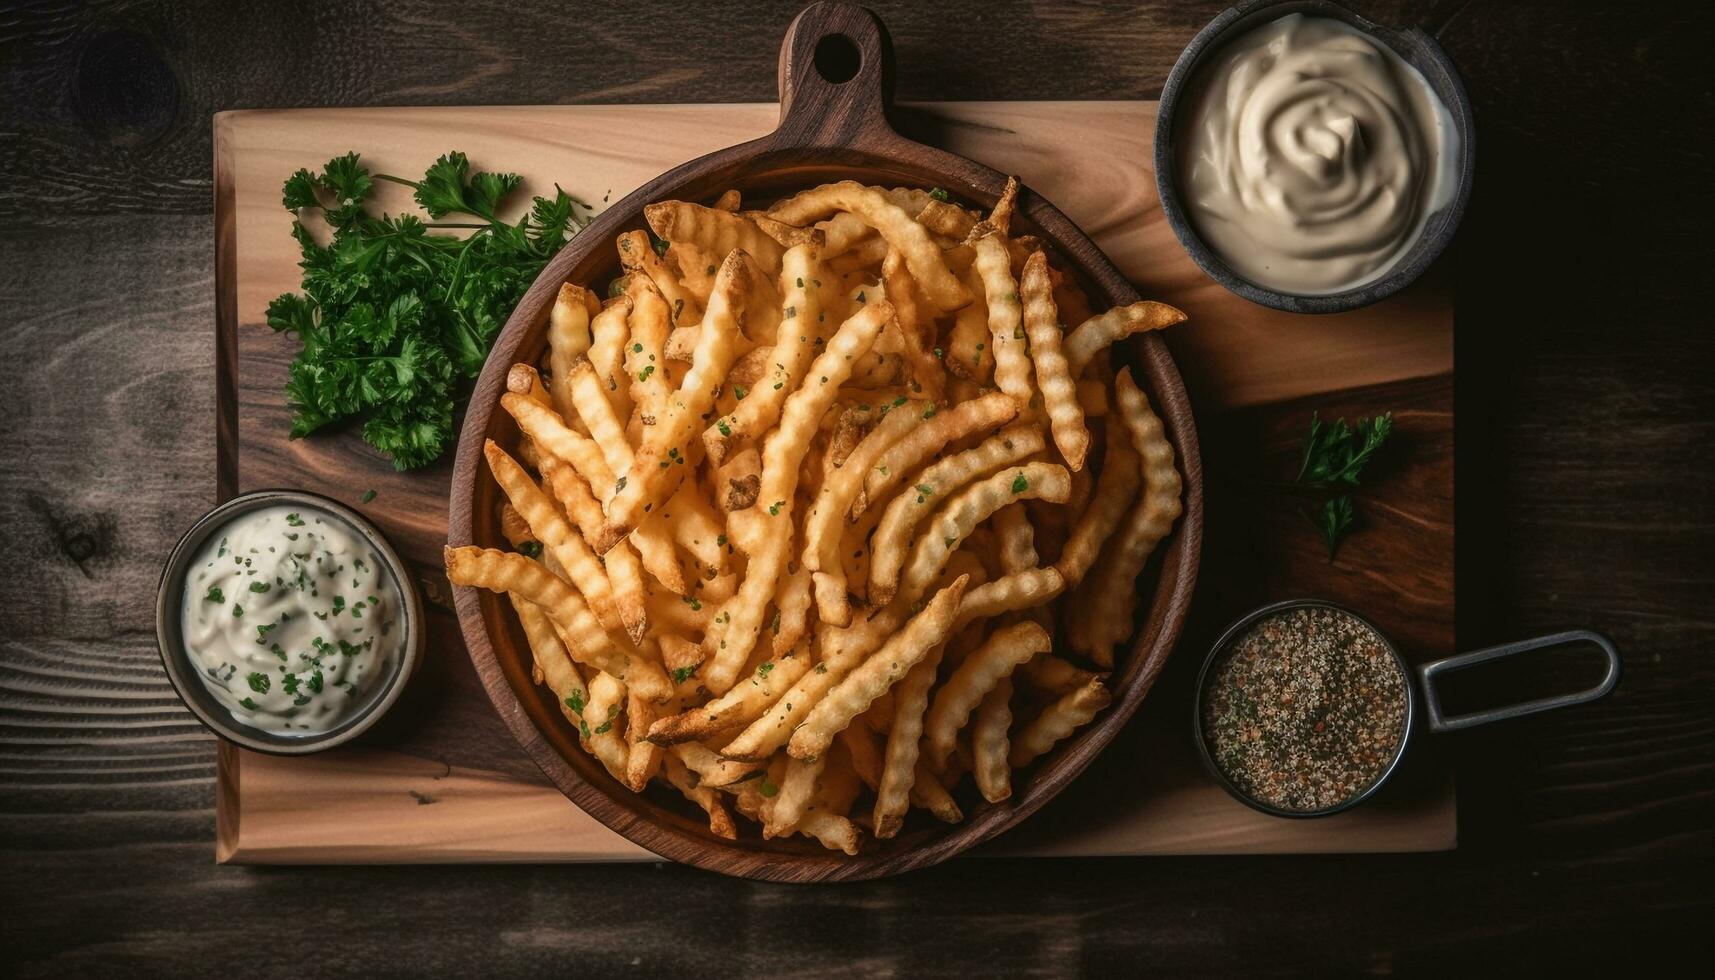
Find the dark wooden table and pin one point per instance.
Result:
(1585, 400)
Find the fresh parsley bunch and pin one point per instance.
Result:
(1334, 457)
(396, 317)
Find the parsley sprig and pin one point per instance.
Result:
(1336, 454)
(396, 317)
(1334, 458)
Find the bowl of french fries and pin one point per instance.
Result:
(823, 531)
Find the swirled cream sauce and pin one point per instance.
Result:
(1312, 156)
(291, 620)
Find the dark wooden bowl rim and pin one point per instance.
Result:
(828, 130)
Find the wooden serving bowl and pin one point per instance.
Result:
(836, 73)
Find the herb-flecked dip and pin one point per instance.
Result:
(1306, 709)
(291, 620)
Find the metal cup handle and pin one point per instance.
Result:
(1439, 722)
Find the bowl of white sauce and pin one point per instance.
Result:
(1311, 160)
(287, 623)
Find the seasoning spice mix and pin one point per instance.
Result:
(1306, 709)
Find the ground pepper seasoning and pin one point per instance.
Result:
(1306, 709)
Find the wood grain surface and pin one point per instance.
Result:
(1584, 407)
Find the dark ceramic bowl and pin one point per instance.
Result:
(1416, 49)
(169, 633)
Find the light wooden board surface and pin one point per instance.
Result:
(450, 786)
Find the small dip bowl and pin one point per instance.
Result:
(1420, 709)
(169, 635)
(1416, 49)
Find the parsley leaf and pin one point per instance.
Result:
(1336, 454)
(1334, 520)
(395, 317)
(1334, 458)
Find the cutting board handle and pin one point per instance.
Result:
(836, 79)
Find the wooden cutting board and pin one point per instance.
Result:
(441, 780)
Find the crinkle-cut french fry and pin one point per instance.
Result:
(661, 462)
(1053, 376)
(944, 478)
(1057, 721)
(686, 782)
(760, 323)
(553, 664)
(548, 527)
(826, 519)
(792, 600)
(940, 427)
(1106, 599)
(609, 330)
(691, 523)
(714, 231)
(1012, 592)
(789, 236)
(568, 338)
(1115, 490)
(695, 267)
(916, 328)
(553, 436)
(841, 650)
(987, 666)
(859, 688)
(730, 640)
(523, 379)
(1000, 217)
(878, 370)
(1100, 332)
(969, 353)
(833, 832)
(655, 553)
(901, 231)
(681, 614)
(514, 528)
(1017, 539)
(643, 758)
(624, 573)
(644, 351)
(738, 707)
(1050, 675)
(946, 219)
(863, 745)
(500, 571)
(797, 792)
(844, 230)
(989, 745)
(598, 417)
(928, 793)
(801, 323)
(970, 507)
(679, 655)
(900, 752)
(711, 769)
(637, 256)
(1006, 325)
(600, 716)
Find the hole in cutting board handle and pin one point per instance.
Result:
(837, 59)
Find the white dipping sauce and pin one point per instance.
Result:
(1312, 155)
(291, 620)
